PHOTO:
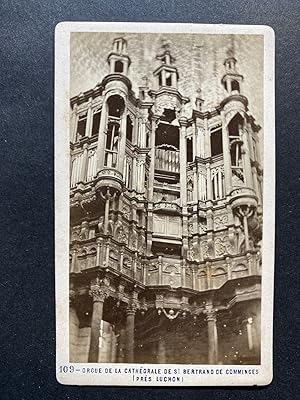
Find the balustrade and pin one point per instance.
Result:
(167, 159)
(81, 172)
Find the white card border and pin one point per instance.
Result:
(62, 90)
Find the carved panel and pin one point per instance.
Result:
(219, 277)
(167, 225)
(204, 249)
(126, 211)
(239, 271)
(222, 246)
(152, 277)
(188, 277)
(171, 275)
(220, 221)
(202, 280)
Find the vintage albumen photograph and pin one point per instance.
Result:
(163, 255)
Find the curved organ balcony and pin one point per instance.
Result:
(109, 178)
(243, 196)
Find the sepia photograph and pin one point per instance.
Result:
(161, 219)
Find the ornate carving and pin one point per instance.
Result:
(84, 231)
(127, 263)
(167, 205)
(101, 225)
(110, 172)
(75, 235)
(190, 228)
(142, 244)
(191, 253)
(221, 221)
(216, 170)
(202, 226)
(202, 170)
(87, 198)
(205, 249)
(126, 211)
(153, 266)
(171, 315)
(122, 233)
(98, 293)
(222, 246)
(159, 297)
(134, 240)
(132, 308)
(211, 315)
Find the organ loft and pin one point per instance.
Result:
(165, 219)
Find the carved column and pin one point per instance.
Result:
(247, 161)
(99, 294)
(163, 77)
(174, 79)
(74, 261)
(207, 139)
(245, 212)
(249, 328)
(121, 258)
(73, 124)
(130, 314)
(84, 163)
(211, 318)
(183, 160)
(226, 156)
(101, 136)
(134, 174)
(154, 122)
(160, 274)
(208, 182)
(255, 184)
(193, 279)
(196, 141)
(183, 267)
(98, 254)
(89, 119)
(122, 143)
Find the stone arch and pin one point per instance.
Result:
(235, 86)
(116, 105)
(236, 118)
(239, 271)
(119, 66)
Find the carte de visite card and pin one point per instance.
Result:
(164, 204)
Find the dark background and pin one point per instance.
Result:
(27, 319)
